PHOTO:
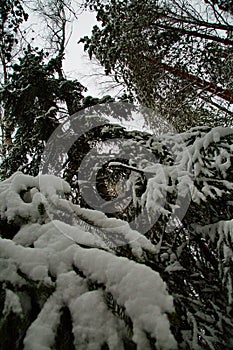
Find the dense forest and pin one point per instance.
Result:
(112, 236)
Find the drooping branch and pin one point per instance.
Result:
(199, 23)
(225, 94)
(224, 41)
(223, 5)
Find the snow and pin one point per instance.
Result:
(136, 287)
(223, 229)
(43, 249)
(73, 233)
(67, 255)
(12, 204)
(8, 272)
(174, 267)
(221, 233)
(33, 262)
(41, 334)
(12, 303)
(182, 178)
(28, 234)
(47, 190)
(110, 226)
(94, 324)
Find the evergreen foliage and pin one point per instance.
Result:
(194, 257)
(155, 272)
(176, 58)
(32, 98)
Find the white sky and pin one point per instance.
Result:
(77, 64)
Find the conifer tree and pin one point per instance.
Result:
(175, 57)
(124, 240)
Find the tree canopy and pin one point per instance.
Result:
(175, 57)
(114, 238)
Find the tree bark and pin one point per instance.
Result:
(184, 31)
(225, 94)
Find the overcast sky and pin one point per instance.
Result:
(77, 64)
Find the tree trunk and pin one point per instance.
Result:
(225, 94)
(184, 31)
